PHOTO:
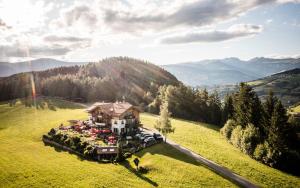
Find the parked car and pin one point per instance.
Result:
(149, 139)
(149, 142)
(158, 137)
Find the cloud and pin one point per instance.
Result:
(65, 39)
(268, 21)
(81, 15)
(192, 14)
(3, 25)
(235, 31)
(17, 50)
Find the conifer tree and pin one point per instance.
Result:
(228, 109)
(278, 127)
(247, 107)
(268, 109)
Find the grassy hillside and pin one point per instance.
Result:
(26, 162)
(205, 140)
(296, 109)
(285, 85)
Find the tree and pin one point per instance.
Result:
(228, 109)
(279, 126)
(247, 107)
(227, 129)
(215, 112)
(268, 108)
(163, 123)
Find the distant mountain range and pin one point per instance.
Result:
(7, 69)
(201, 73)
(229, 70)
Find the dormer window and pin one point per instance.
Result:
(115, 122)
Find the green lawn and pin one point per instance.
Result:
(206, 141)
(296, 109)
(26, 162)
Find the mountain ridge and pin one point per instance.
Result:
(229, 70)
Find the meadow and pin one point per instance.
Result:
(206, 140)
(26, 162)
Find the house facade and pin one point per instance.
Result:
(120, 117)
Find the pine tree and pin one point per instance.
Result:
(278, 127)
(247, 107)
(163, 123)
(228, 109)
(214, 104)
(268, 109)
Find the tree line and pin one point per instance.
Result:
(108, 80)
(189, 103)
(262, 130)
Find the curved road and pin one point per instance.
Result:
(226, 173)
(215, 167)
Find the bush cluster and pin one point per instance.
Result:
(74, 142)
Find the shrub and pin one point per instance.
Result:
(52, 132)
(260, 152)
(143, 170)
(88, 151)
(249, 139)
(57, 137)
(227, 128)
(236, 136)
(127, 155)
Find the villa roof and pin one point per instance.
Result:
(114, 109)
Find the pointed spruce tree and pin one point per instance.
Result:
(228, 108)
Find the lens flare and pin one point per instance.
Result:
(32, 81)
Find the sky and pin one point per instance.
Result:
(158, 31)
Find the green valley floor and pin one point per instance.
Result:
(26, 162)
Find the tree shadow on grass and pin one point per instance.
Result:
(168, 151)
(127, 165)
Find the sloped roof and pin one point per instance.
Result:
(115, 109)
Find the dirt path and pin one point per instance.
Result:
(215, 167)
(226, 173)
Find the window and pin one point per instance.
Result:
(104, 150)
(122, 130)
(111, 149)
(115, 122)
(115, 130)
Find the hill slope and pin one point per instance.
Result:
(228, 71)
(285, 85)
(206, 140)
(108, 80)
(26, 162)
(7, 69)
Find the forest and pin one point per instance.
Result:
(261, 129)
(110, 79)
